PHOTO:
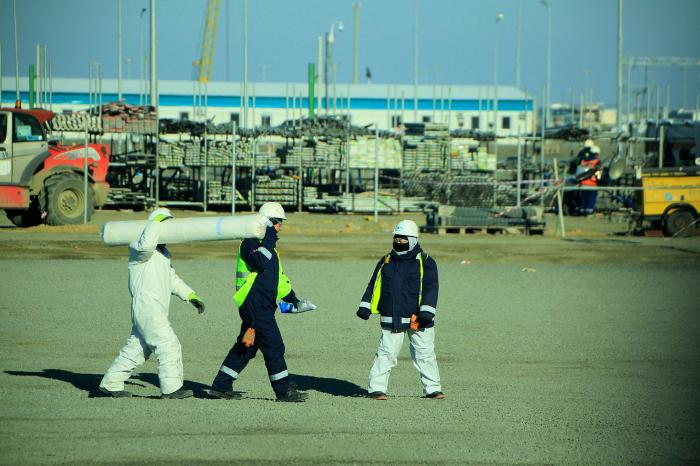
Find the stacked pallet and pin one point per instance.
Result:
(436, 130)
(124, 196)
(300, 154)
(362, 153)
(219, 154)
(170, 154)
(424, 156)
(310, 193)
(282, 190)
(194, 155)
(328, 154)
(75, 122)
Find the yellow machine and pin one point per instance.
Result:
(676, 205)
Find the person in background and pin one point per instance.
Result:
(589, 164)
(152, 280)
(403, 290)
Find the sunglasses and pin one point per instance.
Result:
(276, 221)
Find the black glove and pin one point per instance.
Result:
(425, 318)
(197, 303)
(270, 234)
(363, 313)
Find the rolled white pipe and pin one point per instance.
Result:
(184, 230)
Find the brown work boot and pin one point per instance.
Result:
(378, 396)
(436, 395)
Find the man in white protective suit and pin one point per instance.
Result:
(152, 280)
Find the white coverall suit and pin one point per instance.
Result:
(151, 282)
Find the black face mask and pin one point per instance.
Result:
(401, 247)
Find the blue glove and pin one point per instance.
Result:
(286, 307)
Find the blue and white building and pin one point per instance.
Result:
(270, 104)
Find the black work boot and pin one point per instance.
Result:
(293, 396)
(224, 394)
(177, 395)
(378, 396)
(436, 395)
(116, 393)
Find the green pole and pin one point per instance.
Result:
(31, 86)
(312, 86)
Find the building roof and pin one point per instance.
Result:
(262, 89)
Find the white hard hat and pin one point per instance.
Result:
(595, 149)
(406, 228)
(589, 143)
(160, 211)
(272, 210)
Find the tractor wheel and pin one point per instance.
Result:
(677, 223)
(64, 200)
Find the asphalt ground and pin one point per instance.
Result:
(576, 351)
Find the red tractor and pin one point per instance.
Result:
(42, 182)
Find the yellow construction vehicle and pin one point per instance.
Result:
(671, 199)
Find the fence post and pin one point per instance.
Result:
(562, 230)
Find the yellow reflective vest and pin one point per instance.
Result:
(377, 290)
(246, 277)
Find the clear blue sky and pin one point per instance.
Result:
(456, 40)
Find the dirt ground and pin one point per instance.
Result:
(583, 350)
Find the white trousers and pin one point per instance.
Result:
(422, 346)
(151, 334)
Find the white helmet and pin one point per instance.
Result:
(160, 211)
(595, 150)
(406, 228)
(272, 210)
(589, 143)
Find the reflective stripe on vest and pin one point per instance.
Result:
(377, 290)
(245, 279)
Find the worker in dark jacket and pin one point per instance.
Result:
(403, 290)
(260, 284)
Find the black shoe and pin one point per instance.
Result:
(293, 396)
(177, 395)
(436, 395)
(378, 396)
(116, 393)
(224, 394)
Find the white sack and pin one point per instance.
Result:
(183, 230)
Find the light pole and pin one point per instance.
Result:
(415, 62)
(547, 97)
(519, 44)
(119, 50)
(330, 59)
(499, 18)
(586, 76)
(142, 61)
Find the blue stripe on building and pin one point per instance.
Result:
(359, 103)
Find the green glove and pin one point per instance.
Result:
(160, 217)
(196, 302)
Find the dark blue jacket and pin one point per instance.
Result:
(401, 287)
(260, 257)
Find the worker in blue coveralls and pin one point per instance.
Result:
(260, 284)
(403, 290)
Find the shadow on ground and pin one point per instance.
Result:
(90, 383)
(335, 387)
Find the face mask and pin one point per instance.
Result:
(401, 247)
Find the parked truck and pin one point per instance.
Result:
(43, 182)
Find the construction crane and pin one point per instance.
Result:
(206, 59)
